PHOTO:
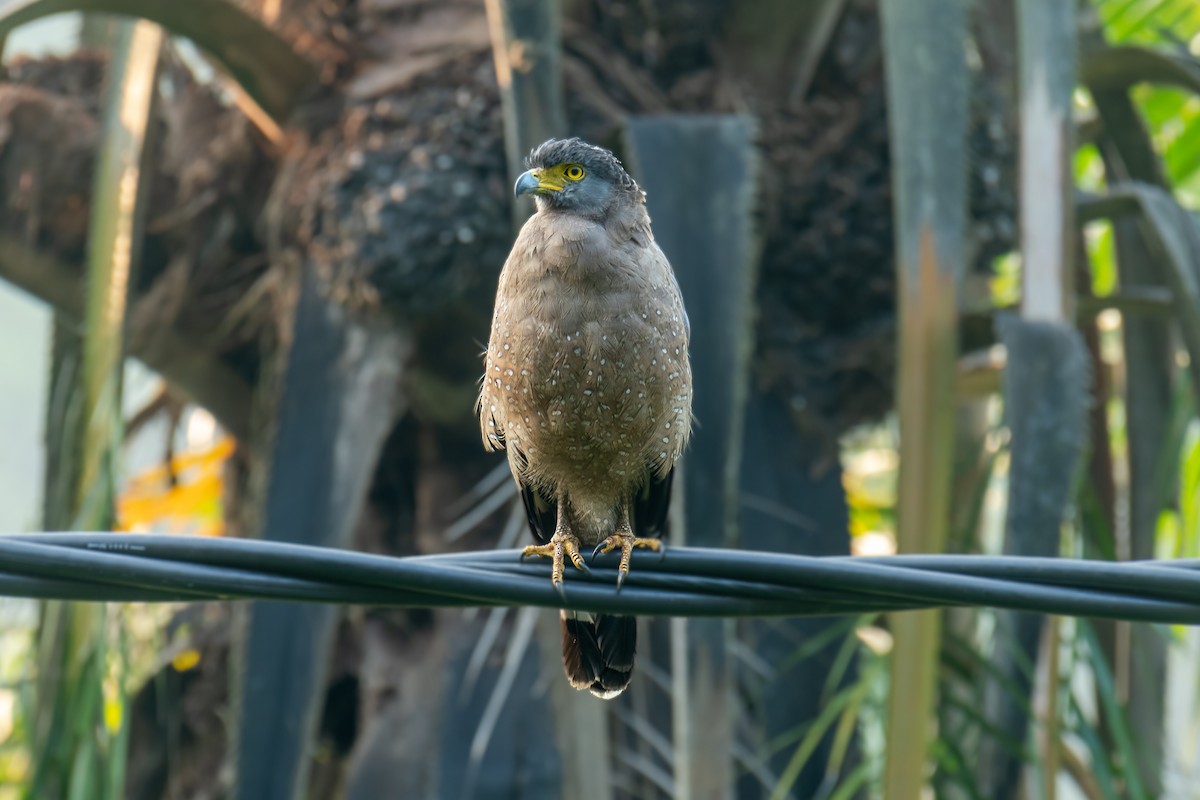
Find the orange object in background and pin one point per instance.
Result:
(181, 497)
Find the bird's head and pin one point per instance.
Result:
(572, 175)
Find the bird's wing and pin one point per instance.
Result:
(490, 405)
(649, 513)
(541, 512)
(493, 434)
(653, 500)
(651, 504)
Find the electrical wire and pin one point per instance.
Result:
(683, 581)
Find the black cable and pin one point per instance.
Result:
(682, 582)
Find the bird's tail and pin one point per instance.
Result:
(598, 651)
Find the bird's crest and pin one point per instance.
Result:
(576, 151)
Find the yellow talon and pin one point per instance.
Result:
(626, 542)
(560, 547)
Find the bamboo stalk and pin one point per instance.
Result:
(927, 98)
(527, 53)
(1047, 81)
(79, 737)
(114, 245)
(1046, 384)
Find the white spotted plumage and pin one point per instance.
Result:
(589, 342)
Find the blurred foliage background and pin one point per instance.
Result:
(975, 327)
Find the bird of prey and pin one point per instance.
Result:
(587, 383)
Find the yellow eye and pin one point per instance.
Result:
(574, 172)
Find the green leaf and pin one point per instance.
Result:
(1100, 761)
(1113, 712)
(1189, 494)
(1182, 155)
(809, 647)
(1152, 21)
(263, 64)
(853, 782)
(955, 768)
(846, 701)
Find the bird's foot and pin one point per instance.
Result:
(625, 541)
(560, 547)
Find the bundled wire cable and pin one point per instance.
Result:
(682, 582)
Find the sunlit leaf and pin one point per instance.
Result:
(1149, 21)
(1189, 495)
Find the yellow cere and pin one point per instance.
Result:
(555, 178)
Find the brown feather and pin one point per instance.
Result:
(587, 384)
(598, 653)
(587, 381)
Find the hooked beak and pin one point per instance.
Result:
(528, 183)
(535, 181)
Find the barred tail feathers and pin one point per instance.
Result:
(598, 652)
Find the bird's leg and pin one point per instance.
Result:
(562, 545)
(624, 540)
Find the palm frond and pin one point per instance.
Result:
(259, 61)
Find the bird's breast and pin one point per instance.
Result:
(592, 385)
